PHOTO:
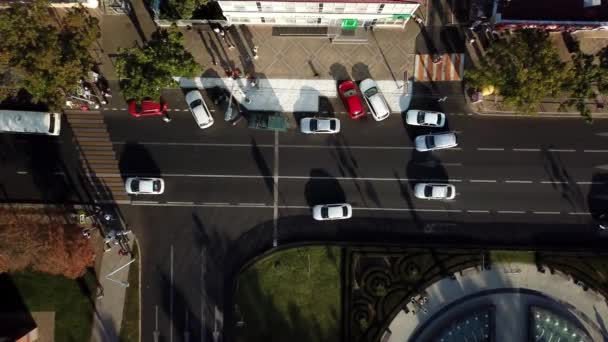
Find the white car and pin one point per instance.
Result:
(417, 117)
(431, 142)
(434, 191)
(199, 109)
(375, 101)
(320, 125)
(339, 211)
(144, 186)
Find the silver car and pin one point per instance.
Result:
(431, 142)
(144, 186)
(375, 101)
(199, 109)
(417, 117)
(320, 125)
(434, 191)
(338, 211)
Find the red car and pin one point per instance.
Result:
(352, 99)
(147, 108)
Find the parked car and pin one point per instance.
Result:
(199, 109)
(374, 98)
(352, 101)
(320, 125)
(145, 186)
(417, 117)
(339, 211)
(434, 191)
(431, 142)
(146, 108)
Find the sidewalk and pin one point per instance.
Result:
(109, 308)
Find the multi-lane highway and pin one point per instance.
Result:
(232, 192)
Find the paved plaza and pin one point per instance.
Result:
(506, 288)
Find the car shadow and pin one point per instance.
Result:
(136, 160)
(323, 188)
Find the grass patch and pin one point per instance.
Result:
(293, 295)
(70, 299)
(129, 330)
(505, 257)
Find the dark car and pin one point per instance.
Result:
(147, 108)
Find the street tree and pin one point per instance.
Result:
(42, 56)
(43, 245)
(587, 79)
(143, 72)
(182, 9)
(523, 68)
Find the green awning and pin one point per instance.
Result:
(349, 24)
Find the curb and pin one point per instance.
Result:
(139, 252)
(541, 114)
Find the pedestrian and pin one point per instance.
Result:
(255, 52)
(216, 30)
(166, 117)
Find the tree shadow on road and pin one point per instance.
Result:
(262, 165)
(561, 179)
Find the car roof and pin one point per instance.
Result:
(367, 83)
(431, 117)
(146, 184)
(323, 124)
(335, 211)
(439, 190)
(378, 104)
(444, 139)
(193, 95)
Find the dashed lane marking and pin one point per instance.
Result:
(478, 211)
(579, 213)
(482, 181)
(561, 150)
(526, 149)
(518, 181)
(22, 172)
(511, 212)
(546, 212)
(595, 151)
(490, 149)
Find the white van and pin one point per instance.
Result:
(18, 121)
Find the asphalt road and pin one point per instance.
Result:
(232, 192)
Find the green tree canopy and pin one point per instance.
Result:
(145, 71)
(524, 68)
(181, 9)
(44, 57)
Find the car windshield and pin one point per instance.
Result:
(448, 192)
(324, 212)
(371, 92)
(344, 211)
(156, 185)
(313, 125)
(138, 107)
(349, 93)
(430, 141)
(135, 185)
(428, 191)
(421, 117)
(195, 103)
(332, 125)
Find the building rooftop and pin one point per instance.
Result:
(554, 10)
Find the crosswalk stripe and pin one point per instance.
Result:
(449, 68)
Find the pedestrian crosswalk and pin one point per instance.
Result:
(450, 67)
(97, 158)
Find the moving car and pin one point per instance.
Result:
(199, 109)
(417, 117)
(431, 142)
(374, 98)
(145, 186)
(146, 108)
(338, 211)
(320, 125)
(352, 101)
(434, 191)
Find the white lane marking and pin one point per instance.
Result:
(579, 213)
(479, 211)
(553, 182)
(252, 204)
(171, 298)
(22, 172)
(490, 149)
(526, 149)
(511, 212)
(304, 177)
(409, 209)
(546, 212)
(588, 183)
(275, 192)
(217, 203)
(560, 150)
(180, 202)
(203, 294)
(205, 205)
(190, 144)
(356, 147)
(595, 151)
(144, 202)
(518, 181)
(482, 181)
